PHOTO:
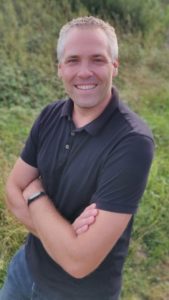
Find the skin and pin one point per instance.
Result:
(77, 255)
(87, 73)
(86, 218)
(20, 177)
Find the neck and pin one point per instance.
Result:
(83, 116)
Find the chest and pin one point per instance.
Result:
(70, 162)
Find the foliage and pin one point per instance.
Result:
(27, 86)
(131, 15)
(28, 31)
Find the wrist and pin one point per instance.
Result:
(35, 197)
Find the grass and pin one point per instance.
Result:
(14, 124)
(146, 269)
(145, 86)
(28, 82)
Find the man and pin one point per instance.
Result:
(86, 163)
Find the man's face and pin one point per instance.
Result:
(86, 67)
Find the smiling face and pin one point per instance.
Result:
(86, 68)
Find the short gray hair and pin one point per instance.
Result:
(88, 22)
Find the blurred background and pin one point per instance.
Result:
(28, 81)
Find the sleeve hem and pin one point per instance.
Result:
(28, 161)
(116, 208)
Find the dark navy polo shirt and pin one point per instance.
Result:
(107, 162)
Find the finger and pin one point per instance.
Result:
(93, 205)
(88, 213)
(85, 218)
(82, 230)
(82, 222)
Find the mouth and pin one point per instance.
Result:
(85, 87)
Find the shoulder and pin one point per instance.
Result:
(50, 113)
(133, 123)
(126, 132)
(53, 108)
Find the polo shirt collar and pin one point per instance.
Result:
(96, 125)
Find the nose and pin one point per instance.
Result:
(84, 70)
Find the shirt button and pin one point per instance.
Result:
(72, 133)
(67, 146)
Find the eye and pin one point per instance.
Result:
(99, 60)
(72, 61)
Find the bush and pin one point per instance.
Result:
(28, 33)
(27, 87)
(130, 15)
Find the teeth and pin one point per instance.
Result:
(86, 87)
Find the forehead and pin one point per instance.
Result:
(87, 41)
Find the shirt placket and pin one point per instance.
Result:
(70, 137)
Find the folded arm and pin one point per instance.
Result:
(77, 255)
(20, 177)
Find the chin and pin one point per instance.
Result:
(85, 104)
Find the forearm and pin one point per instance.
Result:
(56, 234)
(78, 255)
(17, 206)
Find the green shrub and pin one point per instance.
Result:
(130, 15)
(28, 31)
(28, 87)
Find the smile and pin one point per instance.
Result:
(86, 87)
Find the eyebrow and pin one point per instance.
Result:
(76, 56)
(72, 56)
(97, 55)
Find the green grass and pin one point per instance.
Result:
(14, 126)
(147, 268)
(145, 86)
(147, 264)
(28, 81)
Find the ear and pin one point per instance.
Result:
(59, 68)
(115, 67)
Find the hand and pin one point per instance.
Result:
(86, 219)
(34, 187)
(82, 223)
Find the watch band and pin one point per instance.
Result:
(35, 196)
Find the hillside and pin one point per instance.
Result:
(28, 81)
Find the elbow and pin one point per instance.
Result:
(8, 189)
(8, 201)
(11, 194)
(78, 270)
(77, 273)
(7, 198)
(80, 275)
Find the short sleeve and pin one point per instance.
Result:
(123, 178)
(29, 152)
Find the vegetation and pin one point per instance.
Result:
(28, 32)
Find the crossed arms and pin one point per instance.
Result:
(78, 254)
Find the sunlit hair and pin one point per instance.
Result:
(88, 22)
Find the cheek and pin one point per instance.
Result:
(67, 83)
(105, 73)
(67, 76)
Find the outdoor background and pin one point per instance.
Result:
(28, 81)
